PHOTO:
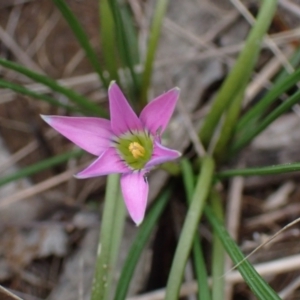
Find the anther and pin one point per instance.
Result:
(136, 150)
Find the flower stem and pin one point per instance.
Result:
(107, 241)
(116, 237)
(189, 228)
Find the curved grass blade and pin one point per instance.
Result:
(137, 247)
(108, 37)
(241, 72)
(130, 33)
(252, 133)
(199, 261)
(24, 91)
(255, 282)
(270, 170)
(159, 14)
(123, 44)
(40, 166)
(78, 99)
(82, 38)
(294, 61)
(268, 99)
(189, 228)
(227, 128)
(218, 252)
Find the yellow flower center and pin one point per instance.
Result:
(136, 149)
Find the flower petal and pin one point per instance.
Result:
(161, 154)
(135, 192)
(156, 115)
(109, 162)
(123, 118)
(90, 134)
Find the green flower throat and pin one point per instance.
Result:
(135, 149)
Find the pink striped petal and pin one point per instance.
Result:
(156, 115)
(109, 162)
(91, 134)
(123, 118)
(161, 154)
(135, 192)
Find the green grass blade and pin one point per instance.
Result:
(218, 253)
(40, 166)
(255, 282)
(294, 61)
(188, 178)
(160, 10)
(82, 38)
(81, 101)
(269, 170)
(253, 132)
(227, 128)
(139, 243)
(268, 99)
(123, 44)
(241, 72)
(189, 228)
(131, 33)
(200, 270)
(24, 91)
(108, 39)
(199, 261)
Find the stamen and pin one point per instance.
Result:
(136, 150)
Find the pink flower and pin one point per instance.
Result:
(126, 144)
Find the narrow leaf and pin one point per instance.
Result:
(253, 132)
(52, 84)
(227, 128)
(123, 44)
(160, 10)
(270, 170)
(218, 252)
(189, 228)
(131, 33)
(40, 166)
(255, 282)
(108, 39)
(294, 61)
(139, 244)
(82, 38)
(24, 91)
(199, 261)
(241, 72)
(260, 108)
